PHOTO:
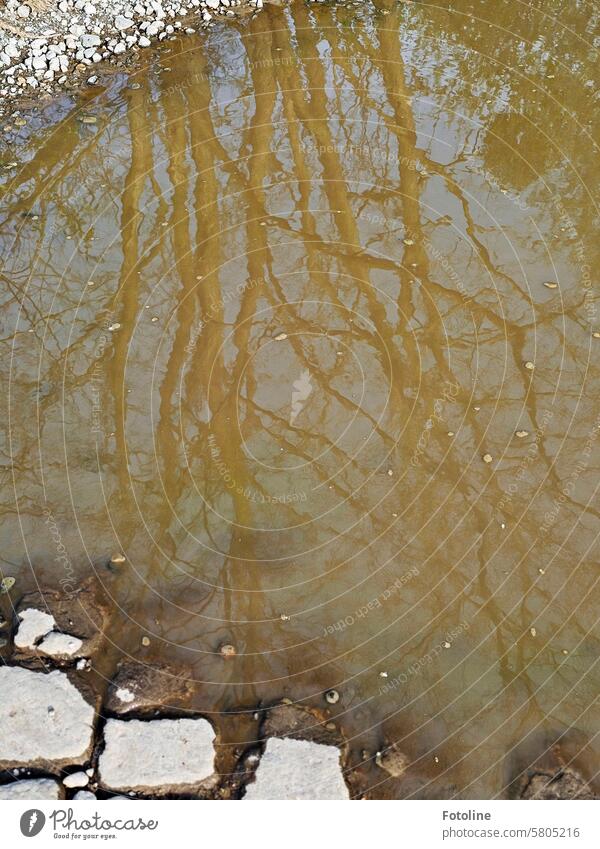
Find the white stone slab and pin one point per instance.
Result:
(298, 769)
(60, 645)
(34, 624)
(30, 789)
(166, 753)
(44, 719)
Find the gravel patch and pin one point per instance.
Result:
(42, 45)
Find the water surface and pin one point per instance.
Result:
(262, 321)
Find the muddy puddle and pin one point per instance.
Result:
(299, 315)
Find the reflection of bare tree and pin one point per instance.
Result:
(318, 185)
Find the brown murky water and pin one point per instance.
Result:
(262, 321)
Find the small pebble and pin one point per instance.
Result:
(487, 458)
(76, 779)
(227, 651)
(550, 285)
(522, 433)
(146, 641)
(280, 337)
(117, 559)
(533, 632)
(6, 584)
(332, 696)
(529, 365)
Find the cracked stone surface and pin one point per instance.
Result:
(174, 755)
(44, 720)
(298, 769)
(30, 789)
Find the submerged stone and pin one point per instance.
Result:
(297, 769)
(392, 760)
(139, 687)
(561, 784)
